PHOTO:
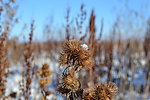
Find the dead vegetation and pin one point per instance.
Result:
(84, 58)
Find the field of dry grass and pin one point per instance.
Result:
(82, 67)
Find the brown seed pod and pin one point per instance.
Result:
(69, 85)
(76, 53)
(100, 92)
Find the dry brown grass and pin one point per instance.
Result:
(83, 56)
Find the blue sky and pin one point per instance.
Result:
(41, 10)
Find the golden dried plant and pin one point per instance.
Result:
(44, 71)
(76, 53)
(4, 62)
(28, 58)
(44, 74)
(101, 92)
(69, 85)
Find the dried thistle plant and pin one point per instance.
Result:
(28, 61)
(7, 13)
(44, 74)
(76, 54)
(4, 63)
(70, 85)
(44, 71)
(101, 92)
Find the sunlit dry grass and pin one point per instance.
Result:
(81, 67)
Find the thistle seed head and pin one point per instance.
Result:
(76, 53)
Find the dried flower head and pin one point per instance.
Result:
(101, 92)
(76, 53)
(69, 85)
(44, 74)
(44, 71)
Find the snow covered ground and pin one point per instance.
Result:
(134, 80)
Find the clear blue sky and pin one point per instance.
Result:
(41, 10)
